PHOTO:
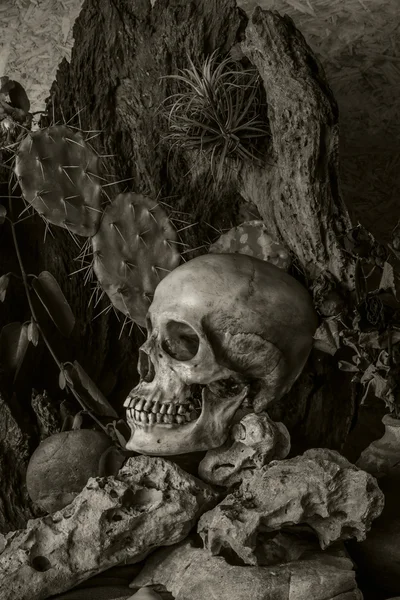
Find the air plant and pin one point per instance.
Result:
(217, 111)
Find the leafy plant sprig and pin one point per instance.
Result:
(49, 293)
(217, 111)
(372, 329)
(15, 122)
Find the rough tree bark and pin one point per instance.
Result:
(122, 51)
(299, 196)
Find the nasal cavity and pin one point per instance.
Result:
(145, 367)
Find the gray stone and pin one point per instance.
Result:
(320, 489)
(191, 573)
(150, 503)
(254, 442)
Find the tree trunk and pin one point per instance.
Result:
(299, 196)
(115, 83)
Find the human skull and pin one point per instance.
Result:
(223, 330)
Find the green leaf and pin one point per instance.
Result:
(119, 432)
(50, 294)
(64, 378)
(348, 367)
(368, 374)
(18, 96)
(78, 420)
(381, 387)
(13, 346)
(360, 283)
(33, 333)
(61, 380)
(87, 390)
(4, 281)
(3, 214)
(387, 279)
(327, 338)
(67, 423)
(374, 339)
(110, 462)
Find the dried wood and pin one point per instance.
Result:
(298, 195)
(15, 505)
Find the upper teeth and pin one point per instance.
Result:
(151, 412)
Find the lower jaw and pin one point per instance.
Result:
(164, 440)
(209, 431)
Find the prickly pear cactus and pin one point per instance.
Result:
(59, 177)
(134, 248)
(252, 238)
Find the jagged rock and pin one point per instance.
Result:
(320, 489)
(191, 573)
(15, 505)
(47, 414)
(254, 442)
(150, 503)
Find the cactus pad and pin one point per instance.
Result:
(134, 248)
(252, 238)
(59, 177)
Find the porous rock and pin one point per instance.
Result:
(254, 442)
(320, 489)
(15, 505)
(191, 573)
(150, 503)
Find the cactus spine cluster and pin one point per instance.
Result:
(59, 177)
(133, 241)
(133, 250)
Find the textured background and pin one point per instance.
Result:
(357, 41)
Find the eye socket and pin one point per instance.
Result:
(181, 342)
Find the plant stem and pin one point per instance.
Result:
(34, 316)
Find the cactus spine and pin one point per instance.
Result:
(134, 248)
(59, 176)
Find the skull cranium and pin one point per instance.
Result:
(223, 330)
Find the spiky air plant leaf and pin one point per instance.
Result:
(217, 111)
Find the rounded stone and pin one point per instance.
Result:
(61, 466)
